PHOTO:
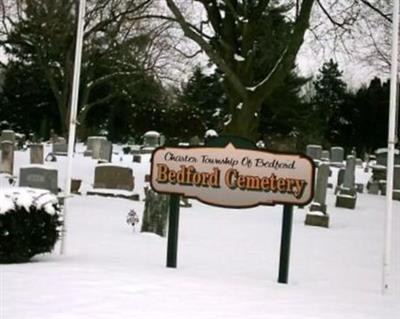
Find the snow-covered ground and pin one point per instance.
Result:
(227, 262)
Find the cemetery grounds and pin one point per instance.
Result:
(227, 261)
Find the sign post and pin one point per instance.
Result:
(173, 227)
(287, 221)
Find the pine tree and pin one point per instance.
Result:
(328, 102)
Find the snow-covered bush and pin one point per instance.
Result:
(29, 223)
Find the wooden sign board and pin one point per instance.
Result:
(233, 177)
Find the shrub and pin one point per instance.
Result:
(29, 224)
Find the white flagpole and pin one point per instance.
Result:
(391, 147)
(73, 114)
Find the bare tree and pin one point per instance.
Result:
(359, 30)
(226, 33)
(115, 31)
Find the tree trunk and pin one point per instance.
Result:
(245, 119)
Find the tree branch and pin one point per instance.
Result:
(204, 45)
(288, 57)
(377, 10)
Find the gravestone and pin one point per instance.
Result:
(155, 213)
(60, 147)
(39, 177)
(7, 157)
(163, 139)
(347, 194)
(137, 158)
(36, 153)
(91, 140)
(108, 177)
(325, 156)
(382, 156)
(359, 162)
(97, 143)
(337, 156)
(113, 177)
(314, 151)
(320, 188)
(318, 215)
(349, 174)
(340, 179)
(151, 139)
(106, 151)
(7, 135)
(75, 185)
(396, 177)
(373, 187)
(396, 183)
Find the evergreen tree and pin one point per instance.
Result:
(205, 94)
(328, 102)
(372, 103)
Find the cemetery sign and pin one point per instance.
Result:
(233, 177)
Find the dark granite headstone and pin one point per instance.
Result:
(314, 151)
(113, 177)
(60, 148)
(39, 177)
(337, 155)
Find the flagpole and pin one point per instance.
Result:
(391, 149)
(73, 114)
